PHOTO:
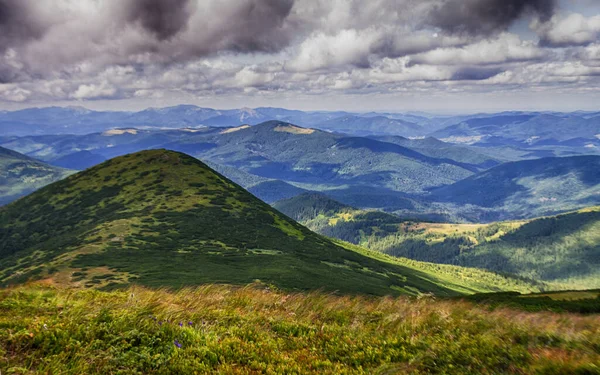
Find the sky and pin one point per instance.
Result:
(361, 55)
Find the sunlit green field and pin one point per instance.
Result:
(258, 330)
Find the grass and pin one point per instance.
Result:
(260, 330)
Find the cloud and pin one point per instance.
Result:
(93, 91)
(573, 30)
(502, 49)
(20, 20)
(486, 17)
(114, 49)
(162, 18)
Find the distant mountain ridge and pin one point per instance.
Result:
(529, 188)
(308, 158)
(527, 128)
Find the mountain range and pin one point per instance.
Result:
(422, 178)
(310, 159)
(552, 133)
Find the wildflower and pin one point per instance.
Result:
(180, 324)
(177, 344)
(190, 324)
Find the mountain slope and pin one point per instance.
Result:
(529, 188)
(162, 218)
(20, 175)
(563, 250)
(435, 148)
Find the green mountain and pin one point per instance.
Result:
(334, 219)
(20, 175)
(161, 218)
(526, 189)
(563, 250)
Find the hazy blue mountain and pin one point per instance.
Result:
(543, 133)
(267, 190)
(371, 125)
(279, 150)
(79, 160)
(443, 150)
(527, 128)
(275, 190)
(529, 188)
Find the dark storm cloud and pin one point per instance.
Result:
(254, 25)
(113, 49)
(18, 23)
(162, 18)
(240, 26)
(486, 17)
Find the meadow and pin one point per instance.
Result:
(261, 330)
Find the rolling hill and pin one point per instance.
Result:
(563, 250)
(528, 188)
(20, 175)
(164, 219)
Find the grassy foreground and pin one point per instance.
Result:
(257, 330)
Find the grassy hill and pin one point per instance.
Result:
(161, 218)
(224, 330)
(528, 188)
(562, 250)
(20, 175)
